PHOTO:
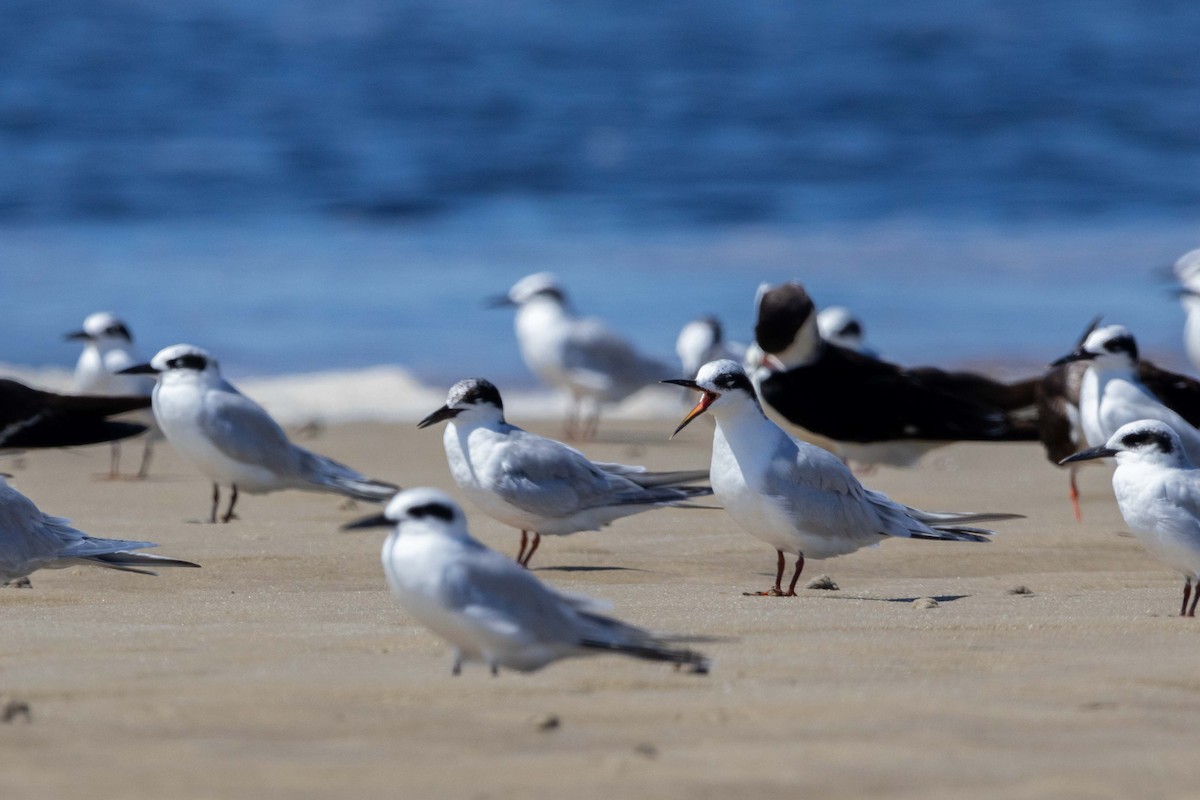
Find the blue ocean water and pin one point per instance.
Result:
(308, 185)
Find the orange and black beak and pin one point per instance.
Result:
(706, 400)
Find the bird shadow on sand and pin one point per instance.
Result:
(941, 598)
(570, 568)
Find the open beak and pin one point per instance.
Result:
(706, 400)
(1089, 454)
(1076, 355)
(75, 336)
(499, 301)
(373, 521)
(138, 369)
(443, 413)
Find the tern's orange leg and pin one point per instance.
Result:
(777, 589)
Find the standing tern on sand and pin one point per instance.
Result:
(581, 355)
(538, 485)
(489, 608)
(795, 496)
(31, 540)
(1113, 395)
(1158, 492)
(232, 439)
(108, 348)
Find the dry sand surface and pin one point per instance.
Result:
(284, 669)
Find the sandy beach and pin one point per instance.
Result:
(284, 669)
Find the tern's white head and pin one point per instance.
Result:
(1110, 347)
(838, 326)
(1187, 268)
(786, 324)
(177, 363)
(697, 338)
(419, 510)
(1146, 441)
(542, 285)
(724, 389)
(472, 400)
(103, 330)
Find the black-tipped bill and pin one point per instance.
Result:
(138, 369)
(1076, 355)
(1186, 291)
(1089, 454)
(443, 413)
(373, 521)
(706, 400)
(499, 301)
(76, 336)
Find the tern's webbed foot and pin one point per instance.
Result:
(772, 592)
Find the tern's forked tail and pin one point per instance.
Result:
(336, 477)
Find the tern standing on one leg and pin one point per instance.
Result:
(233, 440)
(491, 610)
(108, 349)
(1113, 394)
(31, 540)
(581, 355)
(795, 496)
(1158, 492)
(539, 485)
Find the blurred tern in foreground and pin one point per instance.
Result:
(1158, 492)
(795, 496)
(1112, 395)
(31, 540)
(108, 349)
(877, 412)
(490, 609)
(32, 418)
(838, 326)
(232, 439)
(539, 485)
(581, 355)
(703, 340)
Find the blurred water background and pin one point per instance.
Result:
(304, 186)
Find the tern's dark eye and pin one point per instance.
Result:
(1158, 439)
(1122, 344)
(188, 361)
(733, 380)
(439, 510)
(117, 330)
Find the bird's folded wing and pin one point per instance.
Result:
(540, 476)
(498, 594)
(243, 431)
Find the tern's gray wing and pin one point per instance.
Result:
(813, 487)
(598, 357)
(1179, 508)
(30, 539)
(498, 594)
(243, 431)
(26, 542)
(544, 477)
